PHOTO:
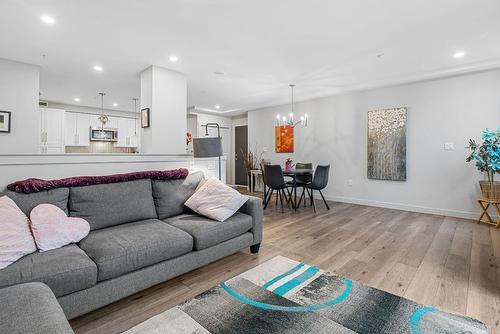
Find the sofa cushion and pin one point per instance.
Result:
(64, 270)
(26, 202)
(170, 195)
(122, 249)
(105, 205)
(207, 232)
(31, 308)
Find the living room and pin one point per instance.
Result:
(284, 167)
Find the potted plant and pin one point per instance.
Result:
(487, 159)
(252, 160)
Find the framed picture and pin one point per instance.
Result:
(145, 123)
(5, 121)
(283, 139)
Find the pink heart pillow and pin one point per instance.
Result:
(53, 229)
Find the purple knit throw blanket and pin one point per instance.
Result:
(31, 185)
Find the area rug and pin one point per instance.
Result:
(285, 296)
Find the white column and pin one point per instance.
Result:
(19, 88)
(164, 92)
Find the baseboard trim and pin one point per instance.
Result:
(406, 207)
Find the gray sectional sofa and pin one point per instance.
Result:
(141, 235)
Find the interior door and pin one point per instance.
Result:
(240, 149)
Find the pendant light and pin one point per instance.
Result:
(103, 118)
(135, 115)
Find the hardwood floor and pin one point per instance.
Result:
(446, 262)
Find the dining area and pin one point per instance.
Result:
(293, 186)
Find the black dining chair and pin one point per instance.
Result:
(262, 164)
(319, 182)
(302, 180)
(274, 180)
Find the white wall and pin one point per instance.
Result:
(165, 93)
(447, 110)
(192, 127)
(146, 134)
(19, 88)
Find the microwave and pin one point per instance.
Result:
(103, 134)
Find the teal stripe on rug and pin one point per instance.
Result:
(417, 316)
(296, 281)
(279, 277)
(306, 308)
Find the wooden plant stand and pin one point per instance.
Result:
(485, 205)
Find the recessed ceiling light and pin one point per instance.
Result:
(115, 104)
(47, 19)
(459, 54)
(217, 107)
(97, 68)
(173, 59)
(76, 99)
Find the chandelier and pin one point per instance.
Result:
(290, 121)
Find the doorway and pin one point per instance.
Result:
(240, 150)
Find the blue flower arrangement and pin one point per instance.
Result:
(487, 155)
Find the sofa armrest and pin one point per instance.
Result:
(253, 207)
(31, 308)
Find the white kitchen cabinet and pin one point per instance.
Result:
(51, 130)
(70, 120)
(77, 129)
(83, 129)
(94, 121)
(112, 122)
(127, 133)
(51, 149)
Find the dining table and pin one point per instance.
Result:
(293, 173)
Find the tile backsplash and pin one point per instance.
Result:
(100, 147)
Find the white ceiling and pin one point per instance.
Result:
(325, 47)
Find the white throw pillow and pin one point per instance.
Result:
(16, 239)
(216, 200)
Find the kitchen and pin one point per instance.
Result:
(76, 129)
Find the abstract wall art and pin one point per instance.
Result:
(283, 139)
(387, 144)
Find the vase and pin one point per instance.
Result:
(490, 190)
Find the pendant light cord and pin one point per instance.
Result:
(135, 115)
